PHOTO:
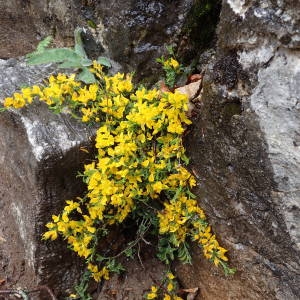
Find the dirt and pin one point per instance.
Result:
(18, 34)
(133, 284)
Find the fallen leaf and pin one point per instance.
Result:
(191, 293)
(191, 90)
(163, 87)
(194, 77)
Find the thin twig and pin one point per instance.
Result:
(137, 240)
(138, 254)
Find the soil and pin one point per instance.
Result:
(18, 34)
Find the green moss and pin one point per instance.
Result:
(200, 26)
(231, 109)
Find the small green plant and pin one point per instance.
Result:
(67, 57)
(81, 289)
(139, 172)
(165, 290)
(171, 67)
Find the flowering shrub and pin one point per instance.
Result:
(139, 171)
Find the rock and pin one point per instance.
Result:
(245, 152)
(39, 160)
(244, 145)
(137, 280)
(132, 33)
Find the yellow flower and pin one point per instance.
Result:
(151, 177)
(158, 186)
(170, 275)
(51, 234)
(170, 287)
(153, 293)
(171, 63)
(55, 218)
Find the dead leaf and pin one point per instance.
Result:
(191, 90)
(191, 293)
(163, 88)
(194, 77)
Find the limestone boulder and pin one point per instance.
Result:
(245, 152)
(39, 160)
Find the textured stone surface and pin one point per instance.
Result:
(39, 160)
(245, 152)
(244, 145)
(136, 281)
(133, 33)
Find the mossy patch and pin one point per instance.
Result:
(200, 27)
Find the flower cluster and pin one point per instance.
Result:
(167, 290)
(139, 170)
(172, 69)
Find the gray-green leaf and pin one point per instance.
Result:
(104, 61)
(85, 62)
(53, 56)
(79, 49)
(86, 76)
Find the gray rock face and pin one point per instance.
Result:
(245, 152)
(244, 145)
(39, 160)
(133, 33)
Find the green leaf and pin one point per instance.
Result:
(185, 160)
(129, 253)
(227, 270)
(183, 254)
(178, 191)
(100, 258)
(115, 267)
(165, 251)
(2, 109)
(170, 50)
(71, 64)
(79, 49)
(85, 62)
(104, 61)
(42, 45)
(86, 76)
(53, 56)
(191, 194)
(92, 24)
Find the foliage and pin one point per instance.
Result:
(166, 290)
(139, 173)
(171, 67)
(66, 57)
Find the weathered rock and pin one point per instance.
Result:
(39, 160)
(132, 33)
(245, 152)
(244, 145)
(136, 281)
